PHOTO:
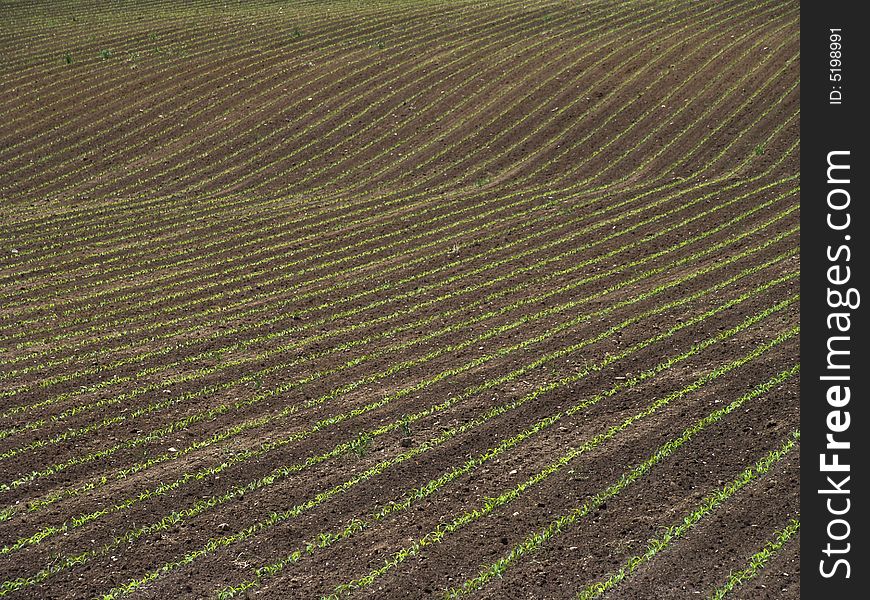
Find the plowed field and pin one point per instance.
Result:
(399, 299)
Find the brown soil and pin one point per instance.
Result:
(225, 241)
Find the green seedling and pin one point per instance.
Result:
(361, 445)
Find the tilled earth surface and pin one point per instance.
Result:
(399, 300)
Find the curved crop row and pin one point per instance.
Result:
(112, 420)
(557, 526)
(165, 488)
(602, 21)
(199, 506)
(673, 532)
(758, 560)
(326, 539)
(123, 473)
